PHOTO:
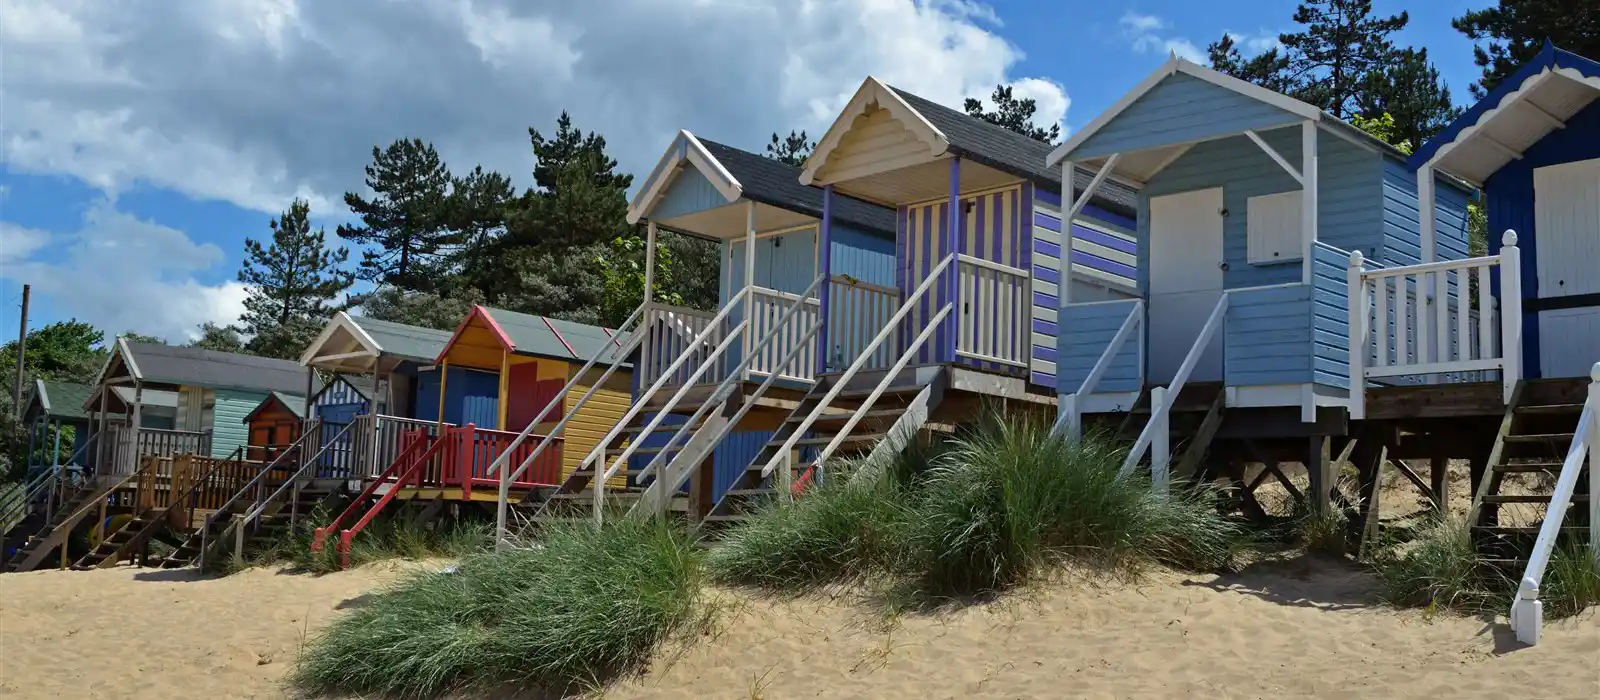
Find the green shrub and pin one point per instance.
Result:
(582, 605)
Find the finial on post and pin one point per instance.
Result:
(1510, 238)
(1356, 258)
(1594, 372)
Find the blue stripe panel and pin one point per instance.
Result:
(1267, 336)
(689, 192)
(1330, 308)
(1181, 109)
(1090, 330)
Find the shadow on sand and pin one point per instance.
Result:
(1305, 580)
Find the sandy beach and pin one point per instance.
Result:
(1306, 627)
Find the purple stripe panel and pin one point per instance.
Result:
(1048, 354)
(1041, 245)
(1045, 327)
(1042, 379)
(1105, 239)
(1046, 274)
(1048, 301)
(1098, 263)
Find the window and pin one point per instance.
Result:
(1273, 228)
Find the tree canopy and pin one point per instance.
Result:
(1511, 32)
(1013, 113)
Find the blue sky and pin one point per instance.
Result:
(143, 144)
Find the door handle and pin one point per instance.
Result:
(1223, 266)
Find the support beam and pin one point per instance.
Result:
(749, 278)
(1319, 466)
(1426, 204)
(1277, 157)
(340, 356)
(505, 390)
(1308, 202)
(444, 378)
(137, 422)
(952, 282)
(1069, 188)
(649, 259)
(825, 263)
(1508, 151)
(1549, 119)
(1083, 199)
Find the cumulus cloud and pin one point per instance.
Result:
(254, 102)
(1150, 33)
(123, 273)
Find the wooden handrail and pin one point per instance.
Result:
(1070, 422)
(400, 464)
(409, 474)
(1161, 404)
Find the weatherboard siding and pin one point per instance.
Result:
(590, 424)
(1103, 255)
(1330, 316)
(228, 429)
(1181, 109)
(1348, 210)
(1092, 327)
(1267, 336)
(1402, 218)
(689, 192)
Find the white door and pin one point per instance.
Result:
(1185, 282)
(1567, 228)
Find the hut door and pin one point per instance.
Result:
(1567, 230)
(1186, 280)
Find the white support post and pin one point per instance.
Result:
(1594, 464)
(749, 278)
(1069, 423)
(1359, 310)
(1308, 200)
(1160, 441)
(1510, 312)
(1431, 284)
(649, 259)
(133, 430)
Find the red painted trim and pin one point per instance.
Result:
(564, 343)
(477, 311)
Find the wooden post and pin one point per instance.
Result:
(504, 389)
(1430, 281)
(1308, 200)
(137, 423)
(749, 280)
(1319, 467)
(825, 258)
(1359, 310)
(1439, 481)
(946, 350)
(1068, 199)
(1510, 312)
(1594, 464)
(444, 377)
(1160, 441)
(650, 258)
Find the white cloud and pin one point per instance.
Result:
(1148, 34)
(122, 273)
(257, 101)
(1252, 43)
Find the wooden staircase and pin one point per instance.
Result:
(1196, 417)
(883, 427)
(57, 530)
(574, 498)
(1535, 436)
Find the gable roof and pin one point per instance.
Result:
(740, 174)
(1518, 113)
(380, 338)
(295, 404)
(165, 364)
(540, 336)
(1006, 150)
(59, 400)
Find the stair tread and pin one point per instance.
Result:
(751, 492)
(1529, 467)
(1551, 408)
(855, 437)
(1540, 437)
(1525, 529)
(1530, 498)
(875, 413)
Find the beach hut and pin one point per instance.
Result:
(54, 412)
(273, 425)
(711, 386)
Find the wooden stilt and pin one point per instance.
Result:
(1319, 465)
(1369, 458)
(1439, 482)
(1412, 476)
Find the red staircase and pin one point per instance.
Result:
(459, 458)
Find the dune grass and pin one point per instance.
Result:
(999, 505)
(1442, 570)
(582, 606)
(385, 539)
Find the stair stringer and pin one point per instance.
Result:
(704, 441)
(58, 533)
(905, 428)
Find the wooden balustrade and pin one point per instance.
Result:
(669, 331)
(856, 312)
(767, 308)
(994, 322)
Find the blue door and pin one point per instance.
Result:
(471, 396)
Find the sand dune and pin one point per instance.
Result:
(1305, 628)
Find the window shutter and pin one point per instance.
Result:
(1273, 228)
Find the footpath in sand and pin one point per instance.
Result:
(1303, 628)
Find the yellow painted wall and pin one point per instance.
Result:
(597, 418)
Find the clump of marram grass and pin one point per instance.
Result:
(996, 506)
(1011, 500)
(384, 539)
(1442, 569)
(583, 605)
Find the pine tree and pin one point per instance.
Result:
(1269, 69)
(406, 222)
(1411, 93)
(1517, 29)
(480, 208)
(293, 283)
(792, 149)
(1012, 113)
(218, 337)
(579, 199)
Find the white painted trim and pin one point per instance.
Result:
(1109, 402)
(1502, 148)
(1094, 186)
(345, 321)
(1519, 95)
(872, 91)
(1169, 160)
(672, 162)
(1172, 66)
(1310, 183)
(1276, 157)
(342, 356)
(1282, 285)
(1267, 395)
(127, 359)
(1552, 120)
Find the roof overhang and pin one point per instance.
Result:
(478, 341)
(342, 346)
(685, 150)
(1540, 98)
(877, 133)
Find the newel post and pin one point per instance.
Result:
(1359, 311)
(1594, 463)
(1510, 312)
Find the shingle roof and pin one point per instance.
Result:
(770, 182)
(398, 339)
(1007, 150)
(166, 364)
(62, 400)
(550, 337)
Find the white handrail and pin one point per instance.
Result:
(1527, 613)
(1161, 402)
(996, 305)
(738, 371)
(861, 361)
(1451, 337)
(883, 385)
(749, 400)
(1070, 423)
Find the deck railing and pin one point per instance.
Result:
(1527, 613)
(1069, 422)
(130, 446)
(1421, 320)
(767, 319)
(373, 443)
(670, 332)
(856, 312)
(1157, 432)
(994, 319)
(469, 451)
